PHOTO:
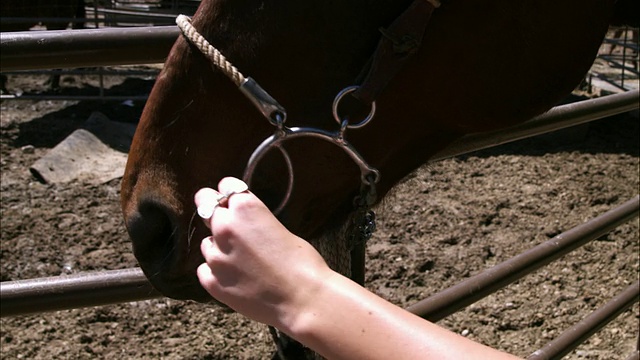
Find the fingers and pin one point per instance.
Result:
(207, 199)
(215, 250)
(230, 185)
(218, 272)
(207, 279)
(206, 247)
(205, 274)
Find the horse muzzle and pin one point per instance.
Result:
(168, 253)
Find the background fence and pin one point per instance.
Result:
(615, 70)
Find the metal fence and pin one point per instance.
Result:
(127, 13)
(124, 14)
(616, 68)
(620, 50)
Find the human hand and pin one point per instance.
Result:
(253, 263)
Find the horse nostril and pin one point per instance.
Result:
(154, 234)
(162, 253)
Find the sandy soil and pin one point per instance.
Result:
(446, 222)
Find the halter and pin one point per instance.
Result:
(399, 41)
(277, 115)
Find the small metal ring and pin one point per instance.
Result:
(371, 178)
(339, 97)
(277, 119)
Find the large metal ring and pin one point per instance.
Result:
(339, 97)
(256, 156)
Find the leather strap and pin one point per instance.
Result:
(399, 41)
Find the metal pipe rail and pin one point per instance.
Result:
(30, 50)
(577, 334)
(467, 292)
(23, 297)
(559, 117)
(109, 287)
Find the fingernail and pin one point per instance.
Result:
(208, 204)
(208, 241)
(234, 186)
(206, 209)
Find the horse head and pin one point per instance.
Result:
(480, 66)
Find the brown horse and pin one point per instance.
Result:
(481, 65)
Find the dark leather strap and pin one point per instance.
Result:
(401, 40)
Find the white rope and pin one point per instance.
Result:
(184, 23)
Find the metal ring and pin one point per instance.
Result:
(287, 195)
(339, 97)
(256, 156)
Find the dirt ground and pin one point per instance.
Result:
(446, 222)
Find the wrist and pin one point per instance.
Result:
(299, 317)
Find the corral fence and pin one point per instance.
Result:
(619, 51)
(115, 13)
(144, 45)
(125, 14)
(616, 67)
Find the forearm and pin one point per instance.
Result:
(345, 321)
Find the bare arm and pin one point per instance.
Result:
(345, 321)
(260, 269)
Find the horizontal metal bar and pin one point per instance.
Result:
(559, 117)
(73, 291)
(619, 83)
(615, 62)
(28, 50)
(467, 292)
(629, 44)
(577, 334)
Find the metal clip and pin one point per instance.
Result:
(267, 105)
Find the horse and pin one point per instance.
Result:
(473, 67)
(53, 15)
